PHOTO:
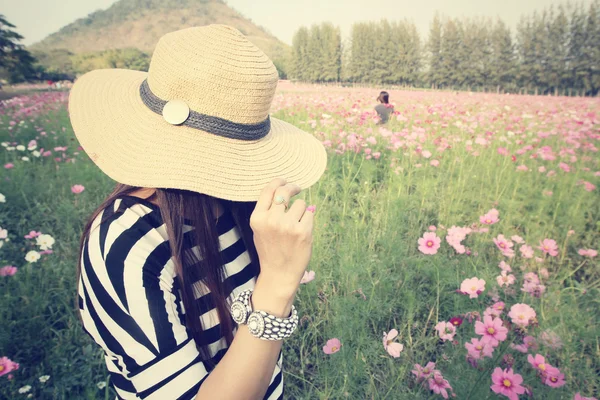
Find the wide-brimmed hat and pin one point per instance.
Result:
(197, 120)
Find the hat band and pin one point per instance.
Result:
(208, 123)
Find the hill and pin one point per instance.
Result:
(138, 24)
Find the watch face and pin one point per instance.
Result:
(256, 324)
(238, 312)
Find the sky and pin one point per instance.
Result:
(36, 19)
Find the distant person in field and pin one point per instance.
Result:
(188, 270)
(384, 109)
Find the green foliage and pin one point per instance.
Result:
(385, 52)
(118, 58)
(16, 63)
(317, 54)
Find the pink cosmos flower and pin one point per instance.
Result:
(9, 165)
(393, 348)
(522, 168)
(456, 321)
(521, 314)
(505, 280)
(542, 169)
(555, 378)
(588, 186)
(549, 246)
(492, 330)
(526, 251)
(565, 167)
(429, 243)
(455, 236)
(517, 239)
(308, 276)
(438, 384)
(504, 245)
(503, 151)
(423, 373)
(432, 228)
(426, 153)
(578, 396)
(539, 363)
(32, 234)
(446, 330)
(490, 312)
(77, 189)
(498, 306)
(521, 348)
(507, 383)
(588, 253)
(479, 349)
(473, 287)
(551, 339)
(490, 218)
(8, 270)
(504, 266)
(434, 163)
(7, 366)
(333, 346)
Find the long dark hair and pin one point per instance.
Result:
(384, 97)
(199, 208)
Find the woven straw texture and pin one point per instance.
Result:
(217, 72)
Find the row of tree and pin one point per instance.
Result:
(550, 52)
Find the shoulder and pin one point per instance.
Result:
(125, 228)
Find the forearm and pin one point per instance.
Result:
(247, 368)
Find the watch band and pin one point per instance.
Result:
(260, 323)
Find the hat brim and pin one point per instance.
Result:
(135, 146)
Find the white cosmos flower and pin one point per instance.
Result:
(2, 198)
(25, 389)
(25, 158)
(4, 144)
(44, 378)
(3, 233)
(36, 153)
(10, 148)
(32, 256)
(21, 147)
(101, 385)
(45, 241)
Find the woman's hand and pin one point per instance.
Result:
(283, 240)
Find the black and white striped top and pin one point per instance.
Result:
(131, 303)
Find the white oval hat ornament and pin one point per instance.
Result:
(176, 112)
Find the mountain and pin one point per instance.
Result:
(138, 24)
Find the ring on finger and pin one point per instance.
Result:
(280, 200)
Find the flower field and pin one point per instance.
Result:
(455, 251)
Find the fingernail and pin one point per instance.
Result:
(311, 208)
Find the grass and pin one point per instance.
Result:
(370, 276)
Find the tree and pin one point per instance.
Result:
(300, 60)
(434, 47)
(503, 70)
(15, 61)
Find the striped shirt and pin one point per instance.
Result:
(131, 304)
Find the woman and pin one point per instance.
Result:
(384, 109)
(189, 269)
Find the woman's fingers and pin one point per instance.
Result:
(266, 196)
(297, 210)
(284, 193)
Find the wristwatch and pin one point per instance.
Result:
(260, 323)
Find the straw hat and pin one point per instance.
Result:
(197, 120)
